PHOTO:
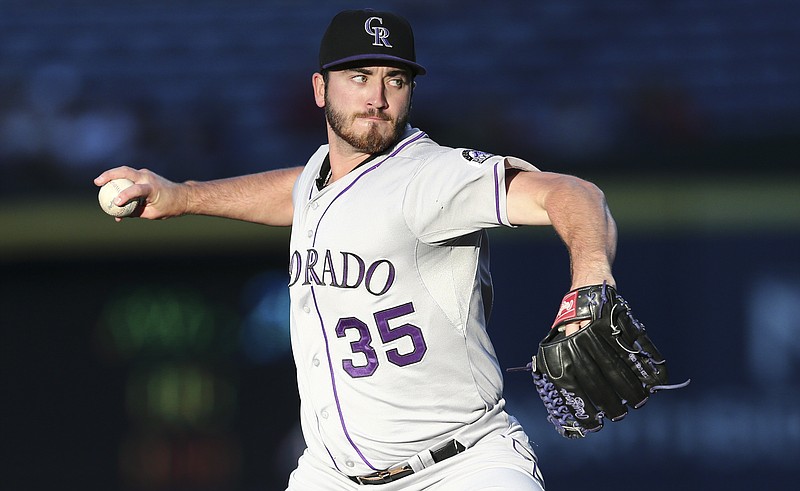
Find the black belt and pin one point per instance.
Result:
(448, 449)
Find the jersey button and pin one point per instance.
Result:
(349, 463)
(324, 414)
(315, 361)
(310, 233)
(306, 309)
(314, 205)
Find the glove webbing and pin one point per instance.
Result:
(558, 413)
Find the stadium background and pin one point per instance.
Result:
(154, 356)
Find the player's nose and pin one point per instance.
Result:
(377, 96)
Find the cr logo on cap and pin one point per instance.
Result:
(380, 33)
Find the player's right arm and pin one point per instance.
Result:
(264, 197)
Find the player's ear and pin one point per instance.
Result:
(318, 81)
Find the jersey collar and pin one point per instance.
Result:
(325, 169)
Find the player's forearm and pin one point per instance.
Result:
(261, 198)
(580, 215)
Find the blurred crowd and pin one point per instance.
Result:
(209, 89)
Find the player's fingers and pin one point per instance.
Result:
(122, 172)
(141, 192)
(574, 327)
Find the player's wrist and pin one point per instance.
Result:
(188, 199)
(580, 281)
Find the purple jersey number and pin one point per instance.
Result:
(362, 345)
(387, 333)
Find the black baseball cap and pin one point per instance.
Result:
(363, 35)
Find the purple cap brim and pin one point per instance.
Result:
(416, 67)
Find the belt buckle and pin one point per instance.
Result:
(382, 477)
(386, 476)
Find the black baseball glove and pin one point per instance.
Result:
(600, 370)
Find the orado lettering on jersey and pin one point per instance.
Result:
(340, 270)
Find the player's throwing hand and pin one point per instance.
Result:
(161, 198)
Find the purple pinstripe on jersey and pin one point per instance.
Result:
(319, 314)
(497, 191)
(333, 385)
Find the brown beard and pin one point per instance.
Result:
(373, 142)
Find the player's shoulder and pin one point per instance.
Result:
(416, 145)
(428, 152)
(419, 147)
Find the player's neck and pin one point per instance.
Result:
(344, 158)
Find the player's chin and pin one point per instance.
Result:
(375, 141)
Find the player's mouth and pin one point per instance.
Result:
(374, 116)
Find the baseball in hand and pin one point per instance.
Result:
(109, 191)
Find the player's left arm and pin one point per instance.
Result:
(578, 212)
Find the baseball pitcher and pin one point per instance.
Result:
(391, 292)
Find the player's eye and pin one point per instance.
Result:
(397, 82)
(359, 78)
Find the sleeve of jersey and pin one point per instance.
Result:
(458, 192)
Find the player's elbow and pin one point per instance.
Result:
(534, 198)
(566, 189)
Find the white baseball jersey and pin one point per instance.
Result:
(390, 296)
